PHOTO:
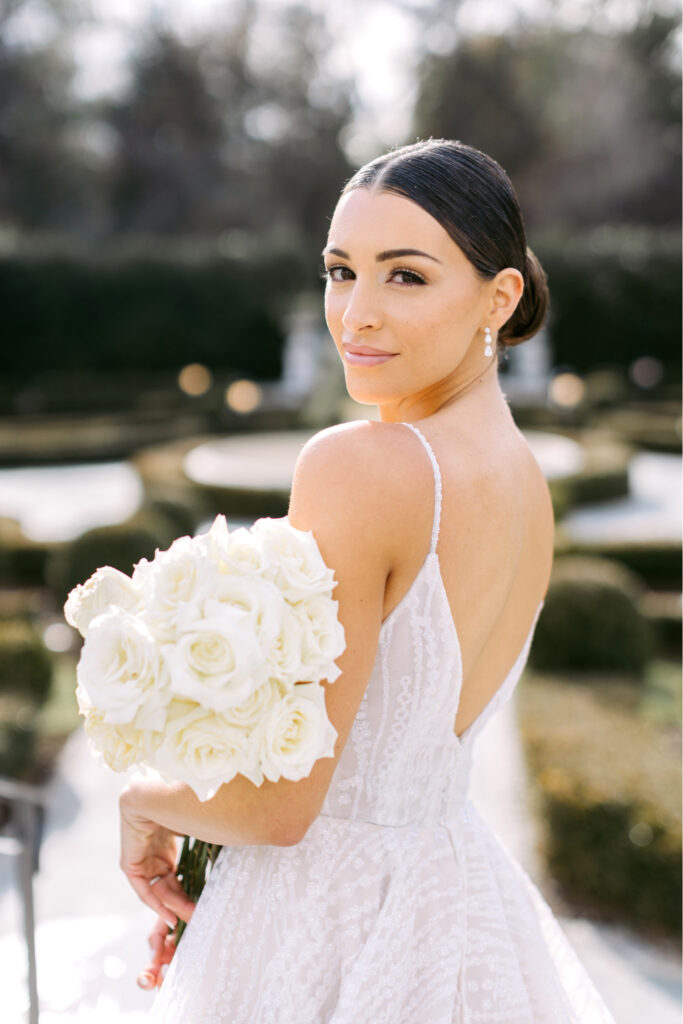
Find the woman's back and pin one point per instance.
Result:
(495, 543)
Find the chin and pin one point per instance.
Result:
(365, 395)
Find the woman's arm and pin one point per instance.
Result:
(347, 490)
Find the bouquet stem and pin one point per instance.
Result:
(193, 867)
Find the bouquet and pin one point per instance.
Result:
(208, 662)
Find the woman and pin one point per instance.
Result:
(372, 892)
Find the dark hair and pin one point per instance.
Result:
(473, 199)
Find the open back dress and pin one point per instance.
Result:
(399, 905)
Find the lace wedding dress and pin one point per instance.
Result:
(399, 906)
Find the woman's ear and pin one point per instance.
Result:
(506, 291)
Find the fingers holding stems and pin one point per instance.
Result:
(162, 947)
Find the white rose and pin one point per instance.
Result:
(323, 637)
(295, 733)
(171, 583)
(216, 661)
(248, 715)
(120, 746)
(120, 671)
(83, 701)
(293, 559)
(245, 555)
(216, 540)
(106, 587)
(259, 600)
(285, 659)
(205, 750)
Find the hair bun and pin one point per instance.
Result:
(532, 309)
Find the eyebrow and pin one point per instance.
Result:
(387, 254)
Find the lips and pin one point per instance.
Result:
(366, 350)
(364, 355)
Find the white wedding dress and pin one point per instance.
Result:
(399, 906)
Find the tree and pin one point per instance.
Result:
(586, 123)
(241, 130)
(38, 172)
(168, 168)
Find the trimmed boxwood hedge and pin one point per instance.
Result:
(17, 748)
(25, 662)
(26, 676)
(120, 546)
(22, 561)
(591, 620)
(615, 296)
(607, 781)
(142, 306)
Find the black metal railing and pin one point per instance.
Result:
(22, 807)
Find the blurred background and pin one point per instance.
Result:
(167, 175)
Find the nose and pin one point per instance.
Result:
(362, 311)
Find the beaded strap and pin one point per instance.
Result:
(437, 485)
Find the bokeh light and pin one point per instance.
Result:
(58, 637)
(243, 396)
(566, 390)
(195, 379)
(646, 372)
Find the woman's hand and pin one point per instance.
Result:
(163, 947)
(148, 859)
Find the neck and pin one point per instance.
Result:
(483, 386)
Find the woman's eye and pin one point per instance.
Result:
(410, 277)
(338, 273)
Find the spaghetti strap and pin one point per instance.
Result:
(437, 485)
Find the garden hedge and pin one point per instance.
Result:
(25, 662)
(120, 545)
(615, 296)
(145, 304)
(608, 786)
(591, 620)
(26, 675)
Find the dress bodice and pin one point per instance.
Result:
(402, 763)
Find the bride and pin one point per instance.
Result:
(372, 892)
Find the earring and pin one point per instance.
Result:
(488, 351)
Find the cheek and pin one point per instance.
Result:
(334, 311)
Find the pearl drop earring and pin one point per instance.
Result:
(488, 351)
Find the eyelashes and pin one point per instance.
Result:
(413, 278)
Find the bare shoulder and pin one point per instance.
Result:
(350, 479)
(365, 443)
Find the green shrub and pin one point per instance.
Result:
(150, 306)
(657, 561)
(603, 476)
(664, 612)
(244, 502)
(25, 662)
(608, 786)
(22, 561)
(179, 516)
(120, 546)
(17, 749)
(591, 620)
(561, 497)
(655, 426)
(615, 296)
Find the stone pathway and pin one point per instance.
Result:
(91, 939)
